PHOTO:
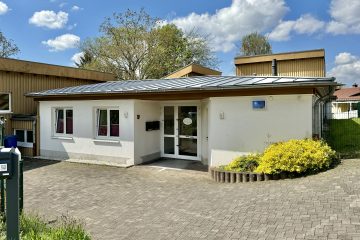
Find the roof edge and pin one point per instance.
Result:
(23, 66)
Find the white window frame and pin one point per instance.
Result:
(26, 143)
(7, 111)
(54, 122)
(108, 109)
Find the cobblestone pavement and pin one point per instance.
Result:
(150, 203)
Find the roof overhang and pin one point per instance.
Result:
(21, 66)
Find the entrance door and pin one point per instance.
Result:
(180, 132)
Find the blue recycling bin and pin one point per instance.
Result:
(10, 141)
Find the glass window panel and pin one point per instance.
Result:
(188, 147)
(187, 120)
(169, 121)
(114, 123)
(4, 102)
(59, 121)
(169, 145)
(69, 121)
(102, 122)
(29, 136)
(20, 135)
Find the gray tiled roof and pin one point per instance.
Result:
(186, 84)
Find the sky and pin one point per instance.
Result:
(50, 31)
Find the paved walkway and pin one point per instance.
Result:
(151, 203)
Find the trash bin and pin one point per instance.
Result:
(10, 141)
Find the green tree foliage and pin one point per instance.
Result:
(7, 47)
(255, 44)
(84, 60)
(134, 45)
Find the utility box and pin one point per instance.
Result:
(7, 158)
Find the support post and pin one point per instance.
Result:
(12, 200)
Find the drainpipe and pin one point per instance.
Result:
(327, 96)
(274, 67)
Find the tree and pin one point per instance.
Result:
(255, 44)
(85, 59)
(134, 45)
(7, 47)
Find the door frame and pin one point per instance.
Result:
(176, 133)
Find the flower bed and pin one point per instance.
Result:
(279, 161)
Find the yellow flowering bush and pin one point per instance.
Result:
(296, 156)
(247, 163)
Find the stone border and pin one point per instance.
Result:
(223, 176)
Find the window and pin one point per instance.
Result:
(258, 104)
(25, 138)
(5, 105)
(63, 121)
(107, 122)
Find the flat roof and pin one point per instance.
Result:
(316, 53)
(21, 66)
(198, 83)
(193, 68)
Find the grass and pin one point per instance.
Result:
(33, 227)
(344, 136)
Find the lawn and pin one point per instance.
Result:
(344, 136)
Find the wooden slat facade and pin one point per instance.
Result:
(300, 64)
(20, 77)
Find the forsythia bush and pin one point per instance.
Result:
(296, 156)
(246, 163)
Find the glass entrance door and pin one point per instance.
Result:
(180, 132)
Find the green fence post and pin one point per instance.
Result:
(2, 204)
(21, 185)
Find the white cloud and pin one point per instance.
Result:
(228, 25)
(347, 69)
(345, 17)
(49, 19)
(62, 42)
(3, 8)
(75, 8)
(306, 24)
(63, 4)
(76, 57)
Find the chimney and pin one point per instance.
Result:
(274, 67)
(355, 85)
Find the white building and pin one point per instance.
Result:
(208, 118)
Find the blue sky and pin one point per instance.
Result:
(49, 30)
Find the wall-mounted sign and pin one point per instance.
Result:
(187, 121)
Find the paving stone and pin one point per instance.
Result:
(151, 203)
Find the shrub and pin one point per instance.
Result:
(247, 163)
(296, 156)
(33, 227)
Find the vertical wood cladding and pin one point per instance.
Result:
(311, 67)
(18, 84)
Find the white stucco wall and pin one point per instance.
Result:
(147, 143)
(83, 145)
(244, 130)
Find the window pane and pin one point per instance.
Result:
(187, 120)
(114, 123)
(4, 102)
(69, 121)
(102, 123)
(169, 145)
(169, 120)
(59, 120)
(29, 137)
(20, 135)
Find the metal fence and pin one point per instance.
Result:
(341, 129)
